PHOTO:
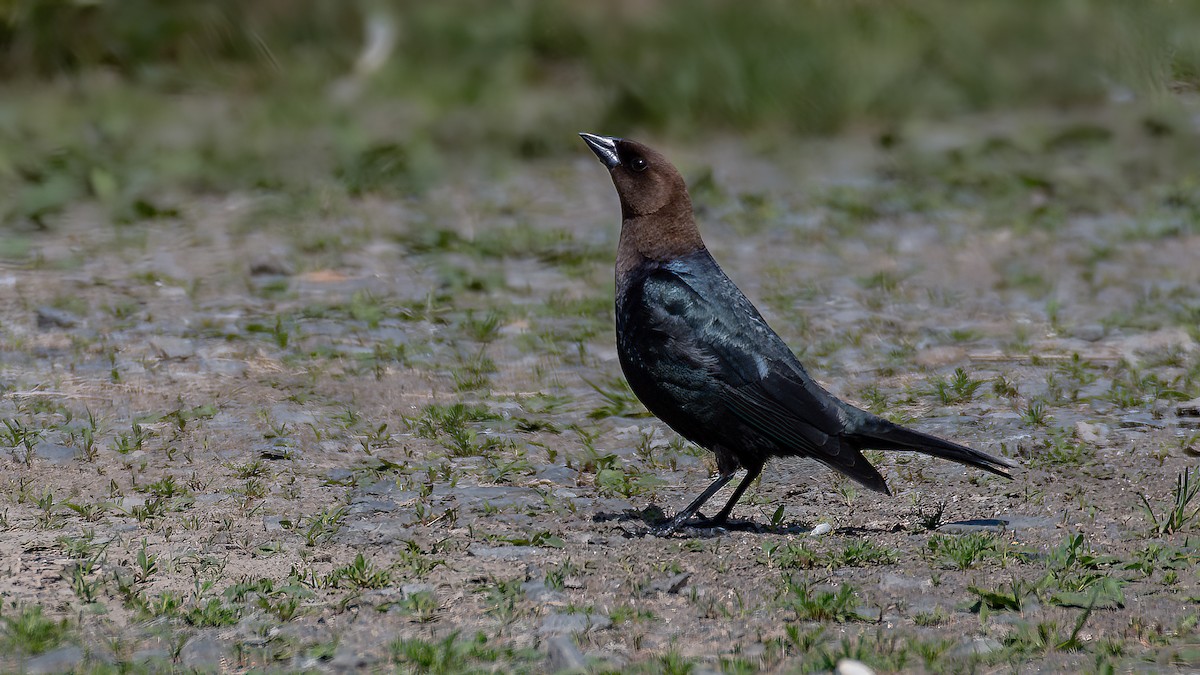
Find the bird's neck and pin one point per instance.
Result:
(667, 234)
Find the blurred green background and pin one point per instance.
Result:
(137, 102)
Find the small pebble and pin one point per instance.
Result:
(563, 655)
(669, 585)
(49, 317)
(852, 667)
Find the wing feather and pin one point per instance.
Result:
(756, 375)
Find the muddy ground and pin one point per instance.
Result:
(351, 432)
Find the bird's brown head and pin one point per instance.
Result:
(657, 211)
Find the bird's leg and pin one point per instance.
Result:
(668, 528)
(751, 473)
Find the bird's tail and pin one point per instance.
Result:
(881, 434)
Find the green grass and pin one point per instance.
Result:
(619, 400)
(1060, 448)
(360, 574)
(322, 526)
(960, 388)
(519, 80)
(811, 604)
(212, 614)
(1180, 513)
(862, 553)
(27, 630)
(962, 551)
(800, 555)
(626, 481)
(453, 654)
(731, 64)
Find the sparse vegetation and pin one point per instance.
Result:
(28, 631)
(1181, 513)
(317, 357)
(961, 551)
(813, 604)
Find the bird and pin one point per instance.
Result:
(702, 359)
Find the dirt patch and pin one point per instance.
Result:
(394, 433)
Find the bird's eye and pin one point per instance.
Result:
(638, 164)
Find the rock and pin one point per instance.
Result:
(202, 653)
(563, 655)
(285, 413)
(501, 552)
(351, 657)
(871, 614)
(559, 475)
(671, 584)
(1156, 342)
(127, 503)
(1188, 408)
(279, 449)
(369, 506)
(942, 355)
(223, 366)
(1093, 434)
(539, 592)
(518, 521)
(49, 317)
(391, 489)
(976, 646)
(899, 582)
(154, 656)
(498, 497)
(252, 630)
(172, 347)
(822, 529)
(415, 587)
(377, 532)
(1091, 332)
(54, 453)
(270, 264)
(1141, 419)
(61, 660)
(382, 599)
(852, 667)
(363, 647)
(563, 624)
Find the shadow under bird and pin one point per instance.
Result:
(702, 359)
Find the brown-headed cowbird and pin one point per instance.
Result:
(703, 360)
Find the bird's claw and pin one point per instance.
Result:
(664, 530)
(700, 523)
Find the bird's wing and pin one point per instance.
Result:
(757, 377)
(711, 326)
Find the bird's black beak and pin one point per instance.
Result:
(605, 148)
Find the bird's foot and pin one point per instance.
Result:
(702, 523)
(681, 519)
(668, 528)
